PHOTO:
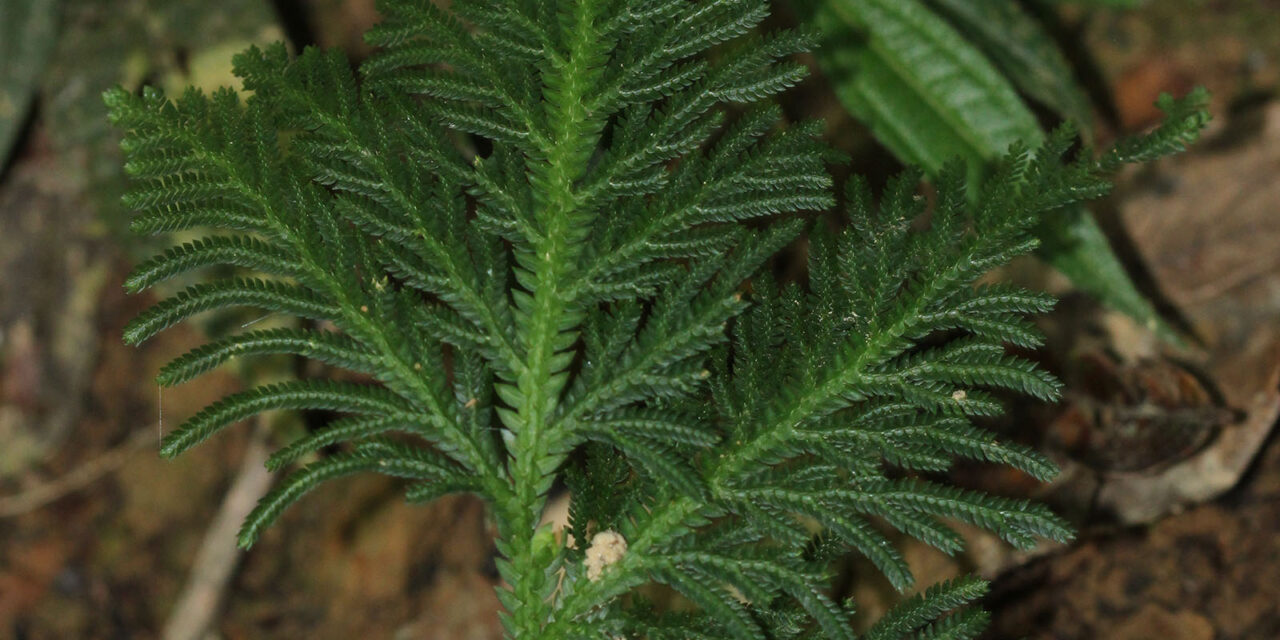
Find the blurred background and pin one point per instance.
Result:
(1173, 380)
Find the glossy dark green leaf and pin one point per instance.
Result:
(926, 93)
(930, 96)
(1075, 245)
(1023, 50)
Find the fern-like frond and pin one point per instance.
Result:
(403, 462)
(349, 429)
(300, 394)
(270, 295)
(537, 229)
(886, 358)
(326, 346)
(918, 617)
(239, 251)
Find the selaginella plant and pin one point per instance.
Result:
(537, 228)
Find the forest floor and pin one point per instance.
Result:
(1180, 538)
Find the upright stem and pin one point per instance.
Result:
(546, 317)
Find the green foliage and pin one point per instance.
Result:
(1023, 50)
(535, 230)
(926, 93)
(939, 79)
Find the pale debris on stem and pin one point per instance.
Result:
(607, 547)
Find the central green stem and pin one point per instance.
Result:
(547, 318)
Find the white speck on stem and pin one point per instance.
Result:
(607, 547)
